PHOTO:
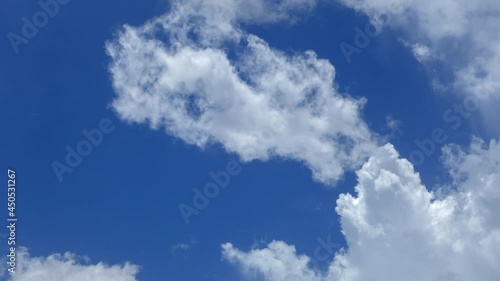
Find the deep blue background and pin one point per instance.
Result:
(121, 203)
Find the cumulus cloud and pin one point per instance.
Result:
(68, 267)
(277, 262)
(196, 74)
(396, 229)
(462, 35)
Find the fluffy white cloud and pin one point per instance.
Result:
(396, 229)
(68, 267)
(462, 34)
(194, 72)
(277, 262)
(198, 75)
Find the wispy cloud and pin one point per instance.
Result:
(183, 246)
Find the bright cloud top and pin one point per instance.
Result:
(461, 34)
(397, 230)
(194, 72)
(68, 267)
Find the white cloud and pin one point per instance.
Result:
(256, 101)
(393, 124)
(184, 245)
(421, 52)
(396, 229)
(68, 267)
(181, 246)
(462, 34)
(277, 262)
(197, 74)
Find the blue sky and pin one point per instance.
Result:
(121, 203)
